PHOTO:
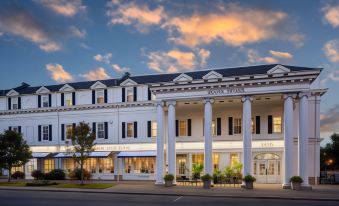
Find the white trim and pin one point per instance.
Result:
(212, 75)
(278, 69)
(66, 88)
(182, 78)
(98, 85)
(42, 90)
(128, 82)
(12, 93)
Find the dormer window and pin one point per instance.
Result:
(45, 100)
(100, 97)
(129, 95)
(15, 103)
(68, 99)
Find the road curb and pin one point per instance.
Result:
(175, 194)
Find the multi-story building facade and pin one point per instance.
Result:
(266, 117)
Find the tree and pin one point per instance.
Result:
(83, 145)
(329, 155)
(14, 151)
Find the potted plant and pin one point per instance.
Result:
(169, 180)
(296, 182)
(206, 179)
(249, 179)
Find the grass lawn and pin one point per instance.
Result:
(13, 184)
(84, 186)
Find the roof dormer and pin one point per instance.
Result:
(66, 88)
(98, 85)
(278, 69)
(42, 90)
(12, 93)
(128, 82)
(183, 78)
(212, 75)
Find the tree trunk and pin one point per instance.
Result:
(82, 172)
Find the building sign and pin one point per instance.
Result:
(230, 90)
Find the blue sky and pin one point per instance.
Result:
(54, 41)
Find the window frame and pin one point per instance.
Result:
(214, 127)
(154, 128)
(100, 99)
(129, 93)
(66, 131)
(274, 125)
(132, 131)
(102, 130)
(43, 132)
(43, 102)
(184, 122)
(237, 131)
(70, 95)
(15, 129)
(15, 101)
(253, 125)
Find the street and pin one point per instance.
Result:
(34, 198)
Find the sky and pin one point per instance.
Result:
(46, 42)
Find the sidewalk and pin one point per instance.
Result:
(267, 191)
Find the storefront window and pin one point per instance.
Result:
(215, 161)
(234, 159)
(17, 168)
(48, 165)
(69, 165)
(31, 165)
(181, 160)
(106, 165)
(197, 159)
(128, 165)
(139, 165)
(90, 165)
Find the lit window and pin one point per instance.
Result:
(129, 95)
(253, 126)
(69, 131)
(45, 132)
(154, 129)
(181, 162)
(90, 165)
(182, 128)
(216, 158)
(100, 130)
(100, 97)
(130, 129)
(140, 165)
(14, 103)
(69, 164)
(214, 128)
(237, 125)
(68, 99)
(45, 101)
(234, 159)
(48, 165)
(277, 124)
(106, 165)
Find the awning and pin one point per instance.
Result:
(137, 154)
(40, 154)
(92, 154)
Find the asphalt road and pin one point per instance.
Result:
(33, 198)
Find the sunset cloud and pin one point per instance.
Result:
(106, 58)
(297, 40)
(119, 69)
(254, 57)
(331, 15)
(331, 50)
(58, 73)
(64, 7)
(81, 33)
(282, 55)
(96, 74)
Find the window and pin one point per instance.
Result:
(90, 165)
(234, 159)
(182, 128)
(15, 103)
(154, 129)
(15, 129)
(100, 131)
(181, 162)
(106, 165)
(48, 165)
(139, 165)
(216, 158)
(68, 99)
(45, 100)
(130, 129)
(214, 128)
(69, 131)
(100, 97)
(69, 164)
(45, 132)
(129, 95)
(277, 124)
(237, 126)
(198, 159)
(253, 126)
(17, 169)
(153, 97)
(31, 165)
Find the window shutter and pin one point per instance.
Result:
(135, 94)
(39, 101)
(269, 124)
(9, 103)
(62, 132)
(49, 100)
(257, 124)
(123, 130)
(62, 99)
(105, 95)
(230, 125)
(218, 126)
(73, 126)
(73, 98)
(93, 96)
(19, 102)
(19, 129)
(10, 128)
(39, 133)
(176, 128)
(94, 128)
(149, 128)
(135, 129)
(123, 95)
(50, 133)
(189, 127)
(149, 94)
(106, 130)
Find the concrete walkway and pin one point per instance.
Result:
(267, 191)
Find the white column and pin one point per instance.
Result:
(171, 139)
(208, 165)
(160, 144)
(303, 139)
(288, 140)
(317, 136)
(247, 135)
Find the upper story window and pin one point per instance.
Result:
(45, 100)
(100, 130)
(69, 131)
(100, 97)
(154, 129)
(277, 126)
(253, 126)
(182, 128)
(45, 132)
(130, 129)
(214, 128)
(15, 129)
(68, 99)
(129, 95)
(15, 103)
(237, 126)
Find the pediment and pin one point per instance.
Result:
(212, 75)
(98, 85)
(42, 90)
(66, 88)
(128, 82)
(278, 70)
(12, 92)
(183, 78)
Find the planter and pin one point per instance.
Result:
(168, 183)
(296, 185)
(206, 184)
(249, 185)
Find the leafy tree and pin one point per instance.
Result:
(14, 151)
(329, 155)
(83, 145)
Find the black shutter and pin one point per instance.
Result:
(94, 129)
(123, 95)
(269, 124)
(257, 124)
(230, 125)
(62, 132)
(176, 128)
(9, 103)
(149, 128)
(106, 130)
(189, 127)
(123, 130)
(39, 133)
(19, 129)
(135, 129)
(105, 95)
(39, 101)
(49, 100)
(149, 94)
(10, 128)
(50, 133)
(62, 99)
(218, 126)
(93, 96)
(73, 98)
(19, 102)
(135, 94)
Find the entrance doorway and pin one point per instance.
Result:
(267, 168)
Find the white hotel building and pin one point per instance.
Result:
(266, 117)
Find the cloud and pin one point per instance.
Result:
(203, 54)
(77, 32)
(329, 121)
(64, 7)
(297, 40)
(83, 45)
(96, 74)
(21, 23)
(131, 13)
(282, 55)
(58, 73)
(331, 15)
(254, 57)
(106, 58)
(331, 50)
(119, 69)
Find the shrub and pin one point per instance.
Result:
(217, 175)
(76, 174)
(249, 178)
(37, 175)
(196, 170)
(206, 177)
(41, 183)
(296, 179)
(56, 174)
(169, 177)
(18, 175)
